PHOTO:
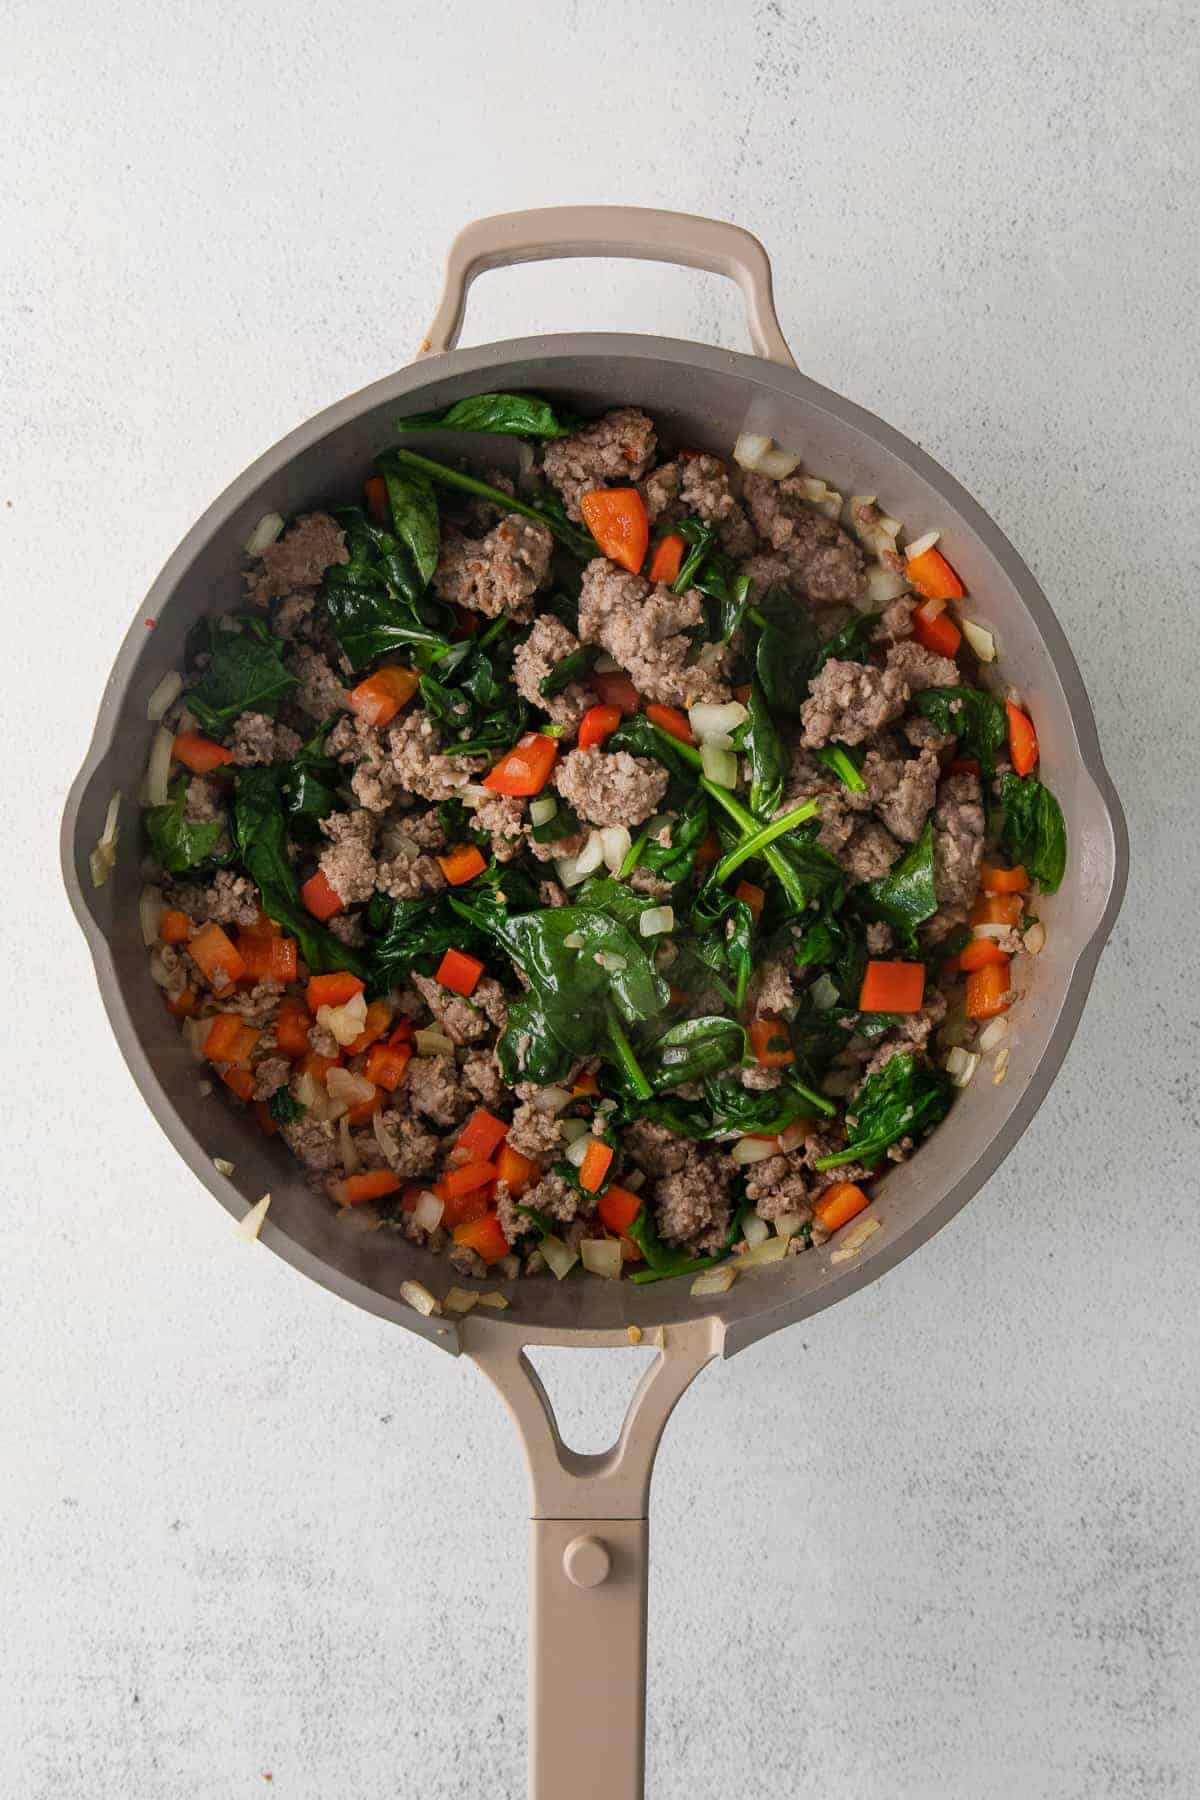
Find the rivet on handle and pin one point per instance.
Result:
(587, 1561)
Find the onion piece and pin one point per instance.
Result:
(592, 854)
(460, 1300)
(655, 920)
(567, 870)
(158, 768)
(473, 793)
(715, 1281)
(432, 1042)
(494, 1299)
(150, 905)
(721, 766)
(264, 533)
(420, 1298)
(609, 960)
(160, 975)
(994, 933)
(343, 1084)
(771, 1250)
(1035, 938)
(921, 545)
(1000, 1066)
(574, 1128)
(251, 1223)
(826, 499)
(880, 585)
(428, 1210)
(578, 1149)
(103, 858)
(853, 1241)
(572, 941)
(542, 809)
(874, 530)
(346, 1022)
(982, 642)
(195, 1031)
(351, 1160)
(707, 720)
(823, 993)
(164, 696)
(755, 1230)
(993, 1034)
(752, 1150)
(750, 448)
(615, 844)
(961, 1065)
(559, 1260)
(788, 1224)
(794, 1136)
(602, 1256)
(551, 1099)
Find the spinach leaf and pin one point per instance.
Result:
(765, 752)
(283, 1108)
(472, 692)
(180, 844)
(803, 869)
(528, 1049)
(970, 715)
(443, 476)
(369, 621)
(663, 1261)
(786, 654)
(728, 1108)
(723, 943)
(245, 673)
(818, 1038)
(676, 861)
(837, 942)
(401, 931)
(414, 510)
(519, 415)
(641, 738)
(693, 1049)
(701, 539)
(851, 644)
(1034, 831)
(308, 788)
(906, 896)
(260, 834)
(573, 667)
(901, 1100)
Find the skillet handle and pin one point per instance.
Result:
(588, 1559)
(618, 231)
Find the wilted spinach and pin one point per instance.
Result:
(842, 763)
(260, 834)
(245, 673)
(906, 896)
(851, 644)
(765, 752)
(308, 788)
(283, 1108)
(786, 650)
(901, 1100)
(443, 476)
(573, 667)
(518, 415)
(1034, 830)
(178, 843)
(692, 1050)
(970, 715)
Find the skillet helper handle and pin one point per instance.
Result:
(642, 232)
(588, 1561)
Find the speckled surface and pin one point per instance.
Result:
(940, 1542)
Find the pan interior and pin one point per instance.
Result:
(701, 398)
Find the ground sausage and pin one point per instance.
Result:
(432, 1089)
(409, 877)
(922, 668)
(850, 702)
(705, 491)
(660, 493)
(648, 630)
(537, 1133)
(901, 790)
(297, 560)
(418, 765)
(321, 692)
(611, 787)
(314, 1142)
(461, 1021)
(693, 1201)
(824, 561)
(548, 644)
(499, 573)
(349, 865)
(778, 1185)
(259, 740)
(618, 447)
(958, 828)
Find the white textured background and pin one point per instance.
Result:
(941, 1543)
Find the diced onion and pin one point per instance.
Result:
(771, 1250)
(574, 1128)
(432, 1042)
(707, 720)
(655, 920)
(961, 1065)
(992, 932)
(150, 905)
(873, 529)
(1000, 1065)
(195, 1031)
(346, 1022)
(993, 1034)
(755, 1230)
(559, 1260)
(428, 1210)
(306, 1089)
(823, 993)
(881, 584)
(921, 545)
(567, 869)
(542, 809)
(750, 447)
(164, 695)
(982, 642)
(715, 1281)
(608, 959)
(794, 1136)
(551, 1099)
(615, 843)
(420, 1298)
(825, 499)
(494, 1299)
(788, 1224)
(384, 1138)
(351, 1160)
(264, 533)
(634, 1334)
(602, 1256)
(606, 664)
(460, 1300)
(752, 1150)
(853, 1241)
(577, 1151)
(160, 975)
(1035, 938)
(103, 858)
(158, 768)
(473, 793)
(572, 941)
(721, 766)
(222, 1165)
(717, 740)
(251, 1223)
(591, 856)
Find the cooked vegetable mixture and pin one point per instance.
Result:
(623, 871)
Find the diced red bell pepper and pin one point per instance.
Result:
(216, 958)
(520, 1172)
(332, 990)
(484, 1236)
(461, 865)
(596, 724)
(672, 720)
(230, 1039)
(292, 1025)
(770, 1044)
(616, 518)
(482, 1134)
(320, 897)
(525, 769)
(387, 1065)
(199, 753)
(897, 987)
(378, 699)
(667, 559)
(619, 1207)
(616, 689)
(459, 972)
(595, 1165)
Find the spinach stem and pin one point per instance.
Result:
(759, 838)
(633, 855)
(575, 541)
(685, 750)
(841, 764)
(627, 1059)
